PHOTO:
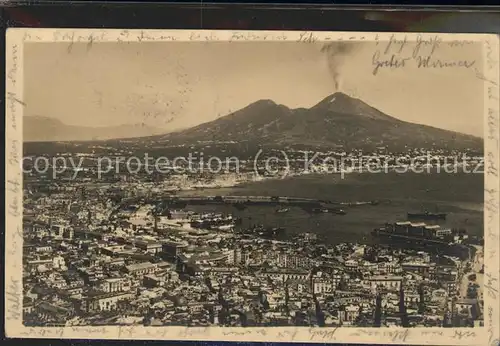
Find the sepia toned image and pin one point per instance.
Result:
(284, 186)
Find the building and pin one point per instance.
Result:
(386, 281)
(92, 275)
(149, 246)
(152, 281)
(292, 260)
(389, 267)
(69, 233)
(35, 227)
(57, 230)
(179, 214)
(115, 285)
(43, 248)
(39, 265)
(58, 262)
(309, 236)
(321, 284)
(286, 274)
(351, 264)
(417, 268)
(100, 301)
(217, 272)
(141, 269)
(171, 250)
(229, 253)
(237, 256)
(28, 306)
(55, 314)
(467, 308)
(87, 234)
(245, 257)
(75, 292)
(350, 313)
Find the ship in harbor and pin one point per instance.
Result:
(282, 210)
(426, 215)
(214, 221)
(325, 211)
(420, 230)
(360, 203)
(265, 232)
(422, 235)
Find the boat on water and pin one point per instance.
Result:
(360, 203)
(271, 232)
(421, 230)
(421, 235)
(265, 232)
(282, 210)
(327, 210)
(427, 216)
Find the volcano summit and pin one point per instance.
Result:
(338, 120)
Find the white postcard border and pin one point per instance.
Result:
(16, 37)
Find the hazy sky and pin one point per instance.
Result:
(173, 85)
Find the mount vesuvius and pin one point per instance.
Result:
(337, 121)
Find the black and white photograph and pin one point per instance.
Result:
(280, 182)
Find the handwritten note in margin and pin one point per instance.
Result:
(492, 150)
(13, 180)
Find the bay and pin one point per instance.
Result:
(460, 195)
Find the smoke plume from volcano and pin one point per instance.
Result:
(336, 53)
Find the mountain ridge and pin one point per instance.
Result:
(37, 128)
(338, 120)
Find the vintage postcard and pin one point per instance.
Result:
(252, 186)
